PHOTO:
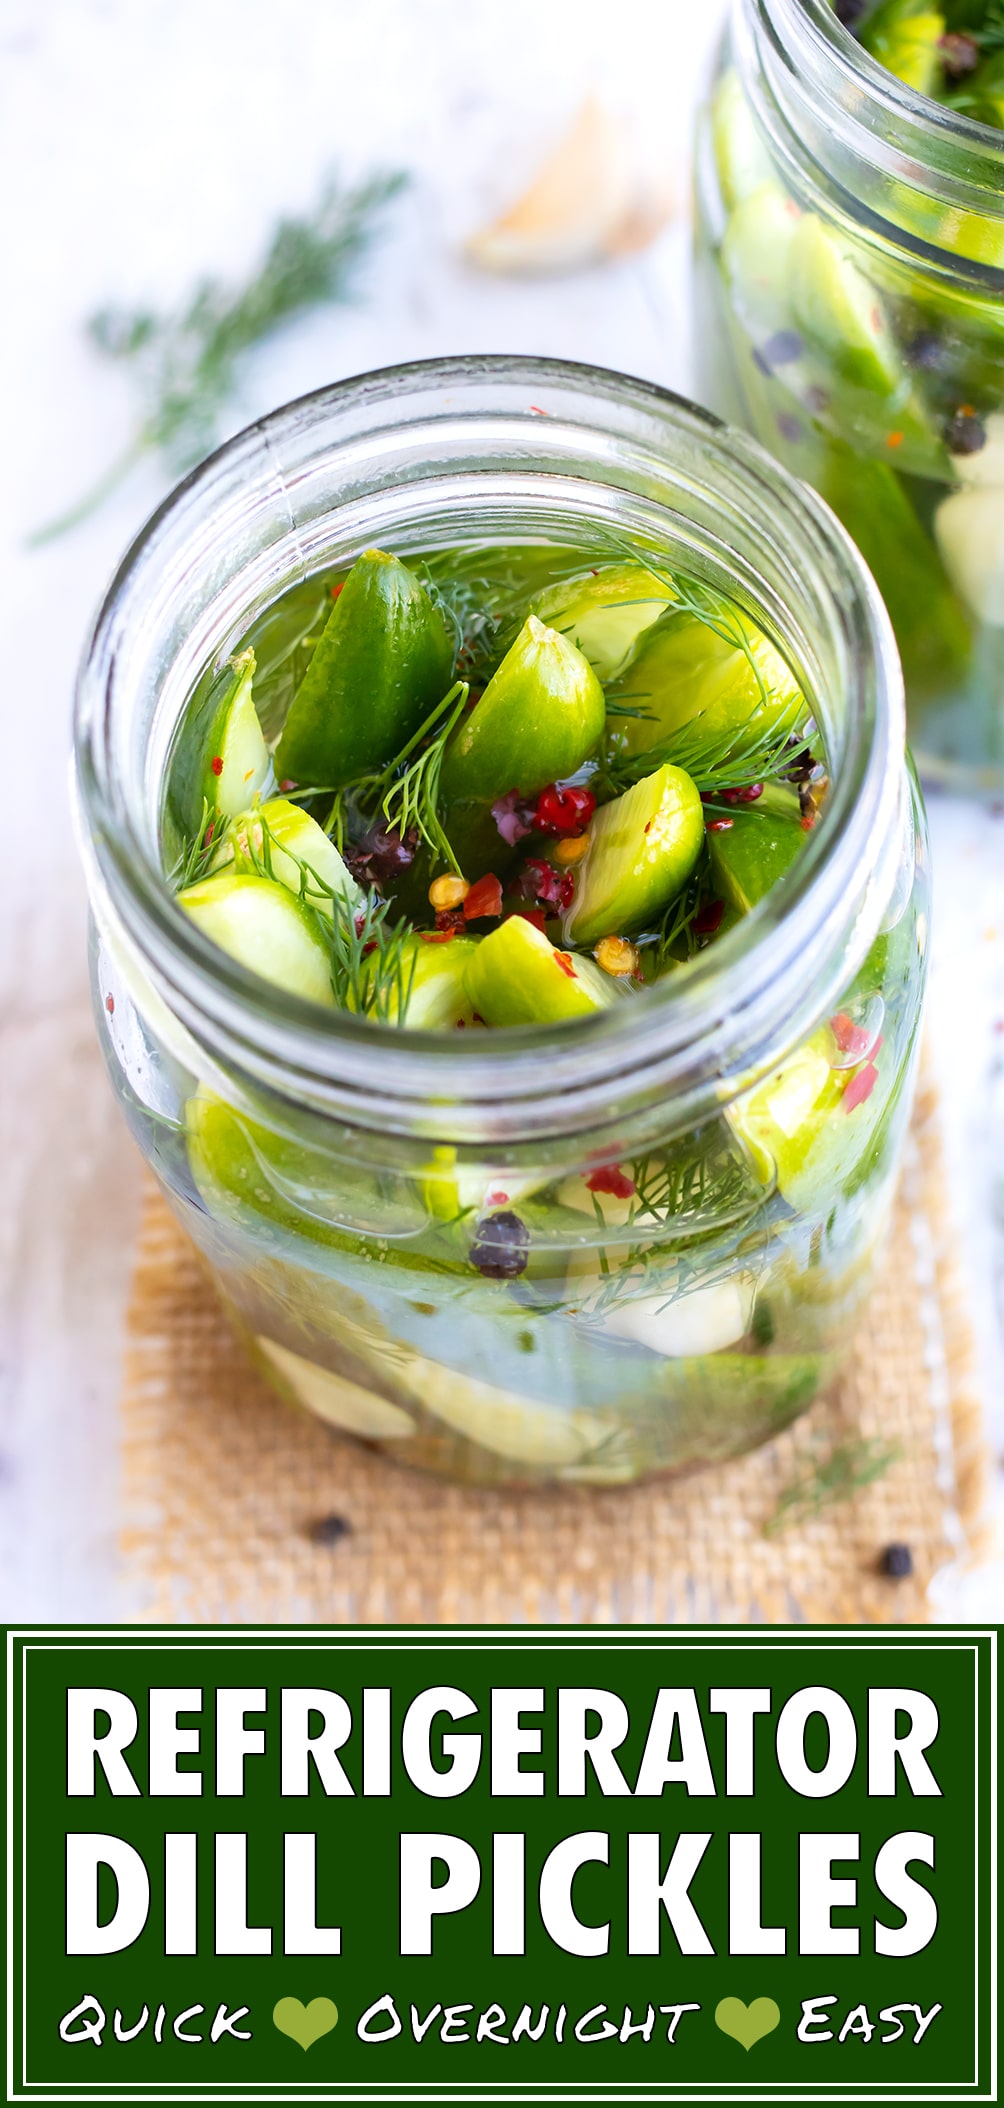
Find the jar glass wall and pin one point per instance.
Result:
(337, 1173)
(850, 274)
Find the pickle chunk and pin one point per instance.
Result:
(265, 929)
(282, 840)
(434, 976)
(643, 848)
(538, 720)
(517, 977)
(383, 660)
(750, 854)
(605, 612)
(701, 698)
(226, 765)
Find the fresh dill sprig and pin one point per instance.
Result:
(689, 1183)
(407, 790)
(186, 363)
(372, 962)
(848, 1467)
(683, 1195)
(713, 766)
(681, 914)
(413, 799)
(198, 853)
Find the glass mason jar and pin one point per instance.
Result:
(334, 1171)
(850, 297)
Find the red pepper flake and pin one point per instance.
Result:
(850, 1038)
(110, 1005)
(611, 1179)
(894, 439)
(747, 794)
(484, 898)
(648, 827)
(210, 831)
(340, 588)
(875, 319)
(564, 960)
(496, 1199)
(860, 1087)
(534, 915)
(708, 919)
(288, 783)
(437, 936)
(808, 821)
(720, 826)
(217, 764)
(535, 411)
(565, 811)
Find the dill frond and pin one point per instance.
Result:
(186, 363)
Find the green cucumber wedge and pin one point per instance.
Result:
(699, 699)
(231, 761)
(643, 848)
(435, 977)
(260, 924)
(280, 840)
(605, 611)
(517, 977)
(841, 313)
(382, 662)
(750, 853)
(539, 719)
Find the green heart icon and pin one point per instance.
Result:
(746, 2024)
(307, 2024)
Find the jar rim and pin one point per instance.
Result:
(808, 57)
(674, 1041)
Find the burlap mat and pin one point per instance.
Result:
(235, 1501)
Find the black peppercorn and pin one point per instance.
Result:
(897, 1561)
(965, 433)
(849, 11)
(499, 1250)
(328, 1529)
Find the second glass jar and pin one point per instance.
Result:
(850, 312)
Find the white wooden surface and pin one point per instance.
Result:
(145, 141)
